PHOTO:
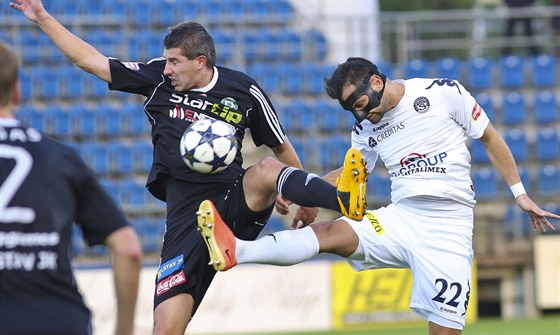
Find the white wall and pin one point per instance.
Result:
(351, 26)
(256, 298)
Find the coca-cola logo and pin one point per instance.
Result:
(169, 283)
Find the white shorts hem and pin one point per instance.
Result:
(438, 318)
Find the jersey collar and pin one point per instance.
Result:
(210, 85)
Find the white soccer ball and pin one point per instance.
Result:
(209, 146)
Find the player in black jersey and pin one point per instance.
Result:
(44, 188)
(181, 87)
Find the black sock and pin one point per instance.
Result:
(306, 189)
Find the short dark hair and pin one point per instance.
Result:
(8, 73)
(351, 72)
(193, 40)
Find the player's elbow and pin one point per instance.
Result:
(125, 244)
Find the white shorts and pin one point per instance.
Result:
(435, 244)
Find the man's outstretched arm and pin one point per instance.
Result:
(77, 50)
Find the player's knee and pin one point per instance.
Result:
(268, 169)
(336, 237)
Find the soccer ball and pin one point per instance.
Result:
(208, 146)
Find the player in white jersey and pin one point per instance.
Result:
(419, 129)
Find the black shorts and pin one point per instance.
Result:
(184, 258)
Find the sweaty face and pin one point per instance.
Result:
(182, 71)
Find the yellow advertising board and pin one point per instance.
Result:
(378, 298)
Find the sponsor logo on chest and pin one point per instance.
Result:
(184, 105)
(387, 131)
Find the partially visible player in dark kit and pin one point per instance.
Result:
(44, 188)
(183, 86)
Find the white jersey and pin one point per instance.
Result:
(422, 141)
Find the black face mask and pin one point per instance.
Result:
(364, 88)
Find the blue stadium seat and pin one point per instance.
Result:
(153, 43)
(131, 193)
(266, 76)
(225, 45)
(548, 144)
(94, 154)
(327, 115)
(546, 107)
(94, 87)
(140, 14)
(448, 67)
(83, 121)
(486, 101)
(485, 181)
(212, 9)
(26, 83)
(11, 16)
(37, 120)
(111, 187)
(133, 119)
(29, 40)
(65, 10)
(90, 12)
(518, 144)
(291, 80)
(150, 233)
(544, 70)
(73, 84)
(135, 46)
(332, 151)
(164, 15)
(57, 121)
(512, 70)
(416, 68)
(268, 43)
(142, 156)
(280, 9)
(107, 120)
(255, 9)
(316, 46)
(120, 158)
(300, 116)
(548, 181)
(312, 75)
(27, 115)
(116, 11)
(480, 72)
(380, 186)
(44, 83)
(249, 46)
(291, 48)
(478, 152)
(514, 109)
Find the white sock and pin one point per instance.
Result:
(287, 247)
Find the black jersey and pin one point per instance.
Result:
(231, 96)
(44, 188)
